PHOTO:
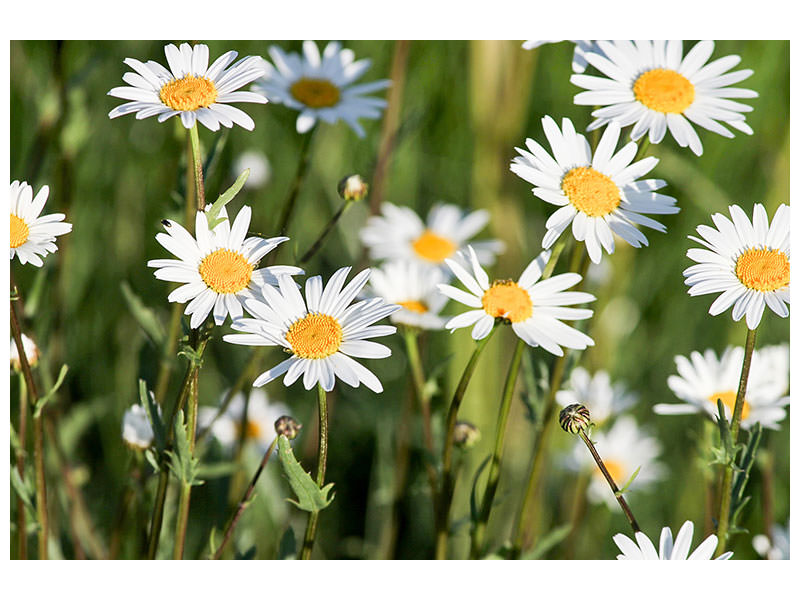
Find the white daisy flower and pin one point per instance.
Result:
(579, 63)
(33, 236)
(596, 393)
(136, 429)
(534, 308)
(776, 548)
(704, 378)
(321, 87)
(413, 286)
(321, 333)
(31, 353)
(398, 232)
(599, 195)
(747, 261)
(651, 85)
(190, 88)
(217, 268)
(643, 548)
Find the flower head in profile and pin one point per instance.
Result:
(321, 332)
(650, 84)
(399, 233)
(533, 308)
(599, 195)
(596, 392)
(31, 353)
(643, 548)
(748, 261)
(217, 267)
(413, 286)
(703, 379)
(137, 432)
(32, 236)
(579, 63)
(322, 86)
(190, 88)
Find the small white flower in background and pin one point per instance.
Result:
(596, 393)
(778, 547)
(643, 548)
(748, 261)
(322, 87)
(414, 287)
(578, 58)
(31, 352)
(353, 188)
(33, 236)
(534, 308)
(651, 85)
(260, 168)
(321, 333)
(704, 378)
(398, 232)
(217, 267)
(136, 429)
(190, 88)
(599, 195)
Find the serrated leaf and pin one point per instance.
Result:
(46, 398)
(153, 415)
(309, 495)
(144, 316)
(548, 542)
(287, 549)
(212, 214)
(182, 463)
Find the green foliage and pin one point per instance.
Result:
(287, 549)
(309, 495)
(144, 316)
(153, 415)
(628, 483)
(183, 464)
(213, 212)
(738, 499)
(43, 400)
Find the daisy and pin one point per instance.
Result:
(413, 286)
(747, 261)
(31, 353)
(776, 548)
(599, 195)
(533, 309)
(643, 548)
(321, 87)
(137, 432)
(190, 88)
(596, 393)
(321, 332)
(32, 236)
(218, 267)
(704, 378)
(578, 58)
(650, 84)
(398, 232)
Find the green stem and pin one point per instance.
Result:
(294, 190)
(322, 460)
(644, 146)
(22, 521)
(194, 136)
(186, 488)
(324, 233)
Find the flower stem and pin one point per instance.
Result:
(22, 522)
(324, 233)
(736, 420)
(322, 460)
(194, 136)
(186, 487)
(294, 190)
(447, 484)
(644, 146)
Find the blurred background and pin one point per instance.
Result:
(464, 107)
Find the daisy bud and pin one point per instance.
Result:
(31, 353)
(353, 187)
(574, 418)
(465, 434)
(287, 426)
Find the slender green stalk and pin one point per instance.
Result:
(294, 190)
(186, 488)
(322, 461)
(324, 233)
(199, 187)
(447, 480)
(736, 421)
(22, 521)
(644, 146)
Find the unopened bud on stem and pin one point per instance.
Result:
(574, 418)
(287, 426)
(465, 434)
(353, 187)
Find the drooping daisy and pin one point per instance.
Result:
(747, 261)
(413, 286)
(776, 548)
(190, 88)
(321, 87)
(218, 267)
(578, 58)
(321, 333)
(651, 85)
(31, 353)
(596, 393)
(32, 236)
(643, 548)
(704, 378)
(137, 432)
(599, 195)
(534, 308)
(398, 232)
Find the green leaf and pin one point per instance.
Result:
(212, 213)
(152, 458)
(287, 549)
(738, 501)
(194, 357)
(548, 542)
(24, 489)
(182, 463)
(143, 315)
(37, 411)
(309, 495)
(220, 469)
(628, 483)
(153, 415)
(473, 495)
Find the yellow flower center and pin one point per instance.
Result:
(664, 90)
(225, 271)
(315, 336)
(617, 471)
(590, 191)
(763, 270)
(505, 299)
(729, 401)
(252, 431)
(414, 306)
(188, 93)
(315, 93)
(433, 248)
(19, 231)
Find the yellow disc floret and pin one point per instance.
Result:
(188, 93)
(432, 247)
(506, 300)
(19, 231)
(226, 271)
(252, 430)
(414, 306)
(315, 93)
(591, 191)
(616, 469)
(664, 90)
(763, 270)
(315, 336)
(729, 401)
